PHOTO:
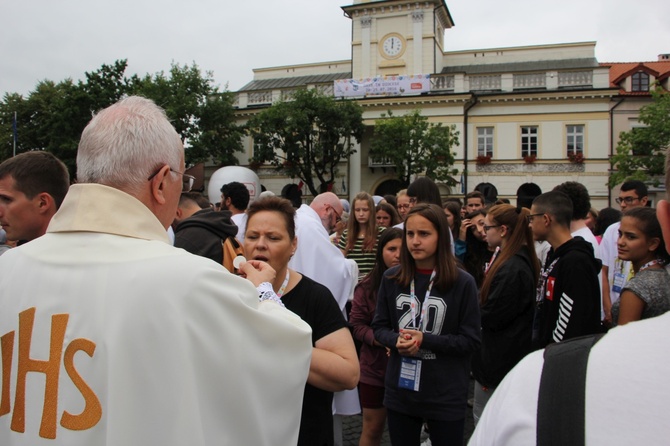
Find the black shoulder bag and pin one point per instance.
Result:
(560, 404)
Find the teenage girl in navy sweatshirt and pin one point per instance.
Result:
(428, 316)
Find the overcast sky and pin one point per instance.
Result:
(47, 39)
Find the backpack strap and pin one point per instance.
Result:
(561, 399)
(231, 249)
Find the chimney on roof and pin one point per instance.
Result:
(663, 57)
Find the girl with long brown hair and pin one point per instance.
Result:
(507, 299)
(359, 240)
(428, 316)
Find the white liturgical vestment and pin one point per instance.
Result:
(320, 260)
(110, 336)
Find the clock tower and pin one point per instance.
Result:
(397, 37)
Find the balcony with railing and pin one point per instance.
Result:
(441, 82)
(572, 79)
(379, 162)
(530, 81)
(487, 82)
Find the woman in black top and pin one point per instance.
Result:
(270, 237)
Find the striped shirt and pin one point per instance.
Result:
(364, 259)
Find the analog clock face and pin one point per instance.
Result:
(392, 46)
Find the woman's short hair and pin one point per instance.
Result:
(274, 204)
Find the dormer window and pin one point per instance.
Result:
(640, 81)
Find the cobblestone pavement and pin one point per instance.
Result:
(351, 427)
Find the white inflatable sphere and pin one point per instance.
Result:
(229, 174)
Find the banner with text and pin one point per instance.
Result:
(383, 86)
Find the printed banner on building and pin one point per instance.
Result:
(383, 86)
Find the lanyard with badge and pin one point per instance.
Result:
(489, 264)
(410, 368)
(282, 290)
(621, 277)
(650, 264)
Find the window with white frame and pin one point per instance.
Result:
(528, 141)
(485, 141)
(575, 139)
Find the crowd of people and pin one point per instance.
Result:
(389, 305)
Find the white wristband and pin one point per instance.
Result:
(265, 292)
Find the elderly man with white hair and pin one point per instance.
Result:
(110, 336)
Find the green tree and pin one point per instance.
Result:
(307, 137)
(11, 103)
(416, 146)
(53, 115)
(640, 153)
(219, 136)
(202, 115)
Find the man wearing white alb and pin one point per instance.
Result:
(125, 340)
(316, 256)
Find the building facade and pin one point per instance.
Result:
(534, 114)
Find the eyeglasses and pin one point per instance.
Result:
(187, 180)
(412, 200)
(530, 217)
(627, 200)
(486, 227)
(338, 216)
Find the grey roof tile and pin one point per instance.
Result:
(291, 82)
(542, 65)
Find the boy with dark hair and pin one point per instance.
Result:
(581, 205)
(474, 201)
(568, 300)
(234, 197)
(32, 188)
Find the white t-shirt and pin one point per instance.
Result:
(587, 235)
(240, 221)
(541, 250)
(626, 392)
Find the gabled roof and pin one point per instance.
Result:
(621, 70)
(542, 65)
(293, 82)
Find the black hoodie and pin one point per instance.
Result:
(203, 232)
(571, 304)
